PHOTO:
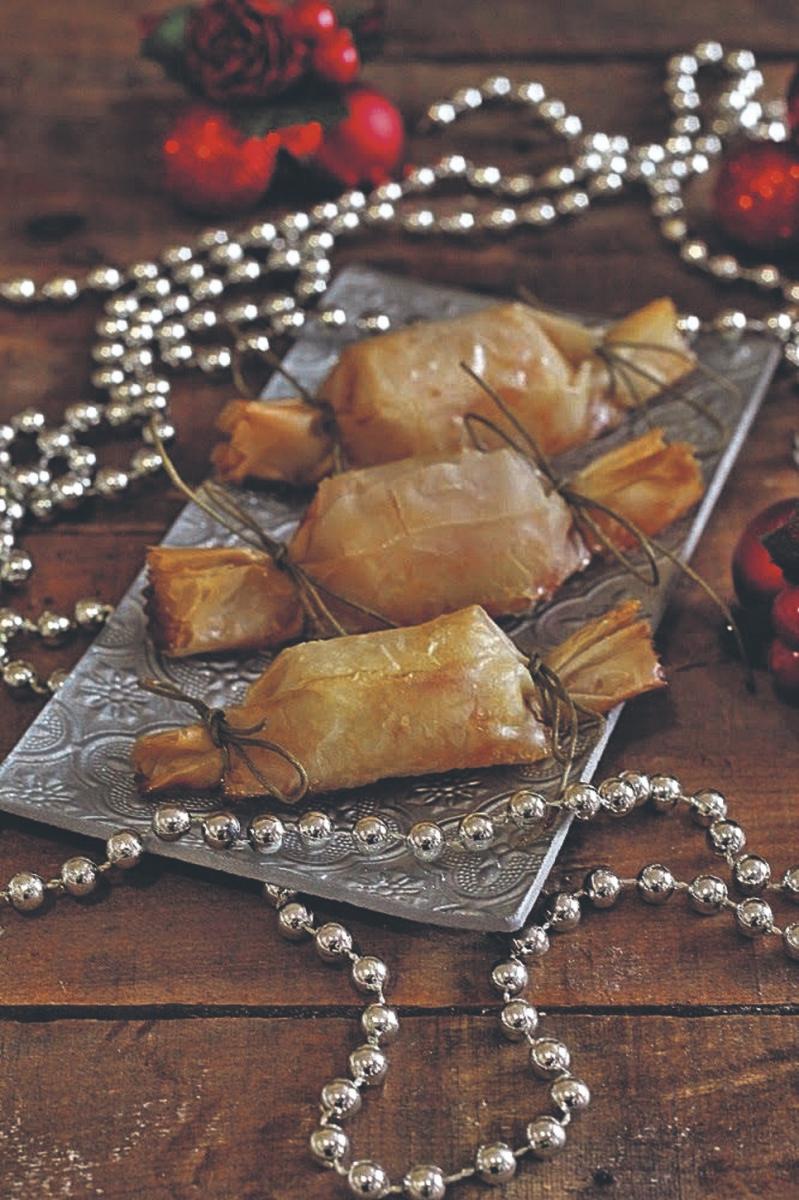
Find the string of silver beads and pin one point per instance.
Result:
(51, 629)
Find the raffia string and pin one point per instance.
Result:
(232, 739)
(222, 508)
(582, 507)
(561, 713)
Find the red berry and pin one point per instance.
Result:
(301, 140)
(336, 59)
(785, 616)
(783, 663)
(212, 167)
(756, 577)
(367, 146)
(313, 20)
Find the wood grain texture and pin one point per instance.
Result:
(150, 1039)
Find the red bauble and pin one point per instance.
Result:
(367, 146)
(336, 59)
(313, 20)
(212, 167)
(757, 195)
(785, 616)
(783, 663)
(756, 577)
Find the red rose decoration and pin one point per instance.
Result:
(242, 50)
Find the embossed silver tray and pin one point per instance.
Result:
(72, 767)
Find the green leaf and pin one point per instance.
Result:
(328, 108)
(166, 43)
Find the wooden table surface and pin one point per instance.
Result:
(166, 1042)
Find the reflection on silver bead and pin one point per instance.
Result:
(333, 942)
(56, 679)
(518, 1019)
(90, 613)
(754, 917)
(315, 829)
(564, 912)
(370, 834)
(527, 809)
(707, 894)
(582, 800)
(368, 1063)
(570, 1094)
(61, 290)
(425, 1182)
(495, 1163)
(640, 784)
(790, 940)
(124, 849)
(81, 461)
(665, 792)
(146, 461)
(726, 837)
(81, 417)
(18, 291)
(546, 1137)
(380, 1021)
(532, 942)
(79, 876)
(708, 806)
(26, 891)
(329, 1144)
(294, 921)
(510, 977)
(751, 873)
(476, 832)
(341, 1098)
(266, 833)
(549, 1057)
(68, 491)
(368, 1179)
(220, 830)
(277, 896)
(603, 887)
(369, 973)
(426, 841)
(29, 422)
(17, 568)
(618, 797)
(19, 674)
(11, 623)
(53, 628)
(790, 884)
(655, 884)
(170, 822)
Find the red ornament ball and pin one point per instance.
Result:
(785, 616)
(757, 195)
(367, 146)
(210, 166)
(756, 576)
(336, 59)
(783, 663)
(313, 20)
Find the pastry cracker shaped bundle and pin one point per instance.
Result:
(413, 539)
(403, 394)
(451, 693)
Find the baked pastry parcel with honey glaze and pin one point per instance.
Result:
(413, 539)
(451, 693)
(404, 394)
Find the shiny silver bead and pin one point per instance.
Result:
(11, 623)
(476, 832)
(111, 482)
(549, 1057)
(40, 505)
(665, 792)
(220, 830)
(527, 809)
(370, 835)
(17, 568)
(726, 838)
(425, 1182)
(640, 784)
(170, 822)
(380, 1021)
(368, 1063)
(332, 941)
(754, 917)
(56, 679)
(124, 849)
(315, 829)
(518, 1019)
(790, 940)
(18, 291)
(546, 1137)
(333, 318)
(368, 1179)
(19, 674)
(146, 461)
(119, 413)
(564, 912)
(329, 1144)
(510, 977)
(790, 884)
(26, 891)
(68, 491)
(91, 613)
(79, 876)
(29, 423)
(582, 800)
(603, 887)
(266, 833)
(495, 1163)
(570, 1094)
(52, 443)
(277, 896)
(532, 942)
(655, 884)
(53, 628)
(61, 290)
(81, 417)
(82, 461)
(707, 894)
(341, 1098)
(618, 797)
(708, 806)
(294, 921)
(426, 841)
(369, 973)
(751, 873)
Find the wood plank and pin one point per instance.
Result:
(218, 1108)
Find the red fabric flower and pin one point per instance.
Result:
(242, 50)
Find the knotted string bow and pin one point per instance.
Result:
(561, 713)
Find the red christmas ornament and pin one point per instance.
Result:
(783, 663)
(313, 20)
(301, 141)
(336, 59)
(212, 167)
(785, 616)
(367, 146)
(756, 576)
(757, 195)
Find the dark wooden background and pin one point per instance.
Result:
(166, 1042)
